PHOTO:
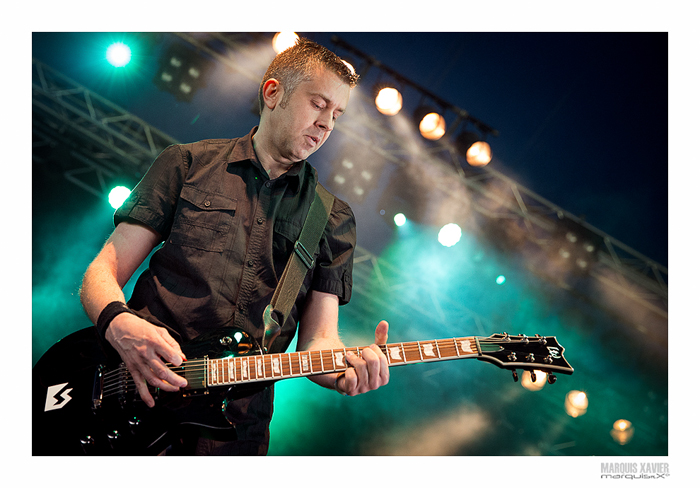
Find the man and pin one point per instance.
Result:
(228, 213)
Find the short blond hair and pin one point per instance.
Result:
(299, 63)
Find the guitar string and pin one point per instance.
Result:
(189, 368)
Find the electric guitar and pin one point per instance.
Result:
(82, 405)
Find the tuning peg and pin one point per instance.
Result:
(515, 376)
(551, 379)
(533, 376)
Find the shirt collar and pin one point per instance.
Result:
(243, 150)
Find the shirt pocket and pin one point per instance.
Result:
(204, 219)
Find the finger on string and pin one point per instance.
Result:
(142, 388)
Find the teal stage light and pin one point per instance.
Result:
(450, 235)
(500, 280)
(118, 54)
(118, 195)
(399, 219)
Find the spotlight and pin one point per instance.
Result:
(182, 72)
(284, 40)
(622, 431)
(356, 173)
(576, 244)
(576, 403)
(476, 151)
(118, 195)
(538, 384)
(118, 54)
(388, 100)
(399, 219)
(430, 123)
(450, 235)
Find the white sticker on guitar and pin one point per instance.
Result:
(57, 397)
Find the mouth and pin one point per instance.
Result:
(313, 140)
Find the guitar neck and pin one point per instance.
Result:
(272, 367)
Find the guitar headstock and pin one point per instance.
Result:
(524, 352)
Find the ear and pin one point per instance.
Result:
(272, 93)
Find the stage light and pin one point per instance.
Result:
(538, 384)
(577, 244)
(622, 431)
(118, 195)
(479, 154)
(476, 152)
(430, 123)
(576, 403)
(500, 280)
(182, 72)
(449, 235)
(355, 172)
(388, 101)
(118, 54)
(284, 40)
(399, 219)
(432, 127)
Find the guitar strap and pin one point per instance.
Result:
(299, 263)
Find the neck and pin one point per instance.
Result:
(273, 166)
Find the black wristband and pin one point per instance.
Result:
(107, 315)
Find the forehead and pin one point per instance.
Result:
(329, 86)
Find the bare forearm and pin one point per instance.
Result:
(121, 255)
(98, 289)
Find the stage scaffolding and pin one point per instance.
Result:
(102, 143)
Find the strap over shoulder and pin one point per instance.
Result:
(299, 263)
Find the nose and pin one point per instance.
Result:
(325, 122)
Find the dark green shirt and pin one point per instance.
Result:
(227, 232)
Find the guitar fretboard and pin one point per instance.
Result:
(244, 369)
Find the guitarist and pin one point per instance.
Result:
(227, 213)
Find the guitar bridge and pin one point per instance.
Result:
(97, 388)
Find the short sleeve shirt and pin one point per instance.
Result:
(228, 231)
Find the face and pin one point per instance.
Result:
(305, 121)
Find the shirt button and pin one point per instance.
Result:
(260, 220)
(268, 184)
(250, 262)
(207, 203)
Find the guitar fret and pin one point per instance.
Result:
(232, 370)
(276, 367)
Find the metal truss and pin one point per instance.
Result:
(102, 141)
(110, 141)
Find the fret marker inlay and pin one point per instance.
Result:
(395, 353)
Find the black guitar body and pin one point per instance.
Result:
(77, 411)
